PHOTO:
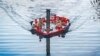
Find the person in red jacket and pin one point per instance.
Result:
(58, 25)
(64, 21)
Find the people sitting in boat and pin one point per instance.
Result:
(43, 19)
(64, 21)
(58, 25)
(53, 19)
(38, 24)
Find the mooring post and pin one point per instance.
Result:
(48, 46)
(48, 29)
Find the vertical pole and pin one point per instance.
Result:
(48, 46)
(48, 20)
(48, 38)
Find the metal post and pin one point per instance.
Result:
(48, 38)
(48, 20)
(48, 46)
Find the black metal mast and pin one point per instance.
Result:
(48, 29)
